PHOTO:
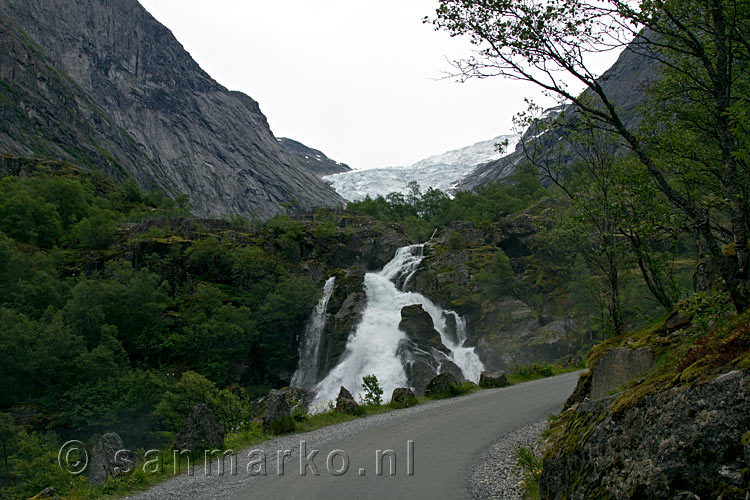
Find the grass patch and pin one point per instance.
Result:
(531, 466)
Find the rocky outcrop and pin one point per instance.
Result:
(105, 86)
(617, 367)
(682, 441)
(444, 384)
(505, 330)
(422, 353)
(312, 159)
(345, 402)
(201, 431)
(105, 459)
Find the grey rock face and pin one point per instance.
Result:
(419, 328)
(201, 431)
(617, 367)
(443, 384)
(449, 366)
(312, 159)
(491, 380)
(105, 461)
(345, 402)
(677, 443)
(136, 102)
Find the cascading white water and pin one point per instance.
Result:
(372, 348)
(308, 368)
(464, 357)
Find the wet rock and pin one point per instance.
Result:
(201, 431)
(419, 365)
(419, 328)
(449, 366)
(277, 409)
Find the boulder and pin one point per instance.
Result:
(276, 409)
(448, 366)
(617, 367)
(403, 397)
(444, 384)
(492, 380)
(419, 328)
(419, 365)
(201, 431)
(105, 461)
(345, 402)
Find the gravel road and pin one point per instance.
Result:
(447, 449)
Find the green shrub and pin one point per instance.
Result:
(373, 391)
(284, 425)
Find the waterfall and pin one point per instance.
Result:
(308, 368)
(372, 348)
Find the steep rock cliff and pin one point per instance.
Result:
(104, 84)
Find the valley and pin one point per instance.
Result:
(176, 279)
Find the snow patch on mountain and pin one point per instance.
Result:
(442, 171)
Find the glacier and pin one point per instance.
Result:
(443, 171)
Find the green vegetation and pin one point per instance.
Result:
(120, 312)
(373, 391)
(531, 466)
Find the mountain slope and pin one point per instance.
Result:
(440, 171)
(312, 159)
(625, 82)
(107, 80)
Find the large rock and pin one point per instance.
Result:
(444, 384)
(617, 367)
(345, 402)
(492, 380)
(403, 397)
(201, 431)
(419, 328)
(681, 439)
(105, 461)
(448, 366)
(277, 409)
(419, 365)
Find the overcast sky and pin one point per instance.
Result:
(359, 80)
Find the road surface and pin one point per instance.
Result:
(433, 446)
